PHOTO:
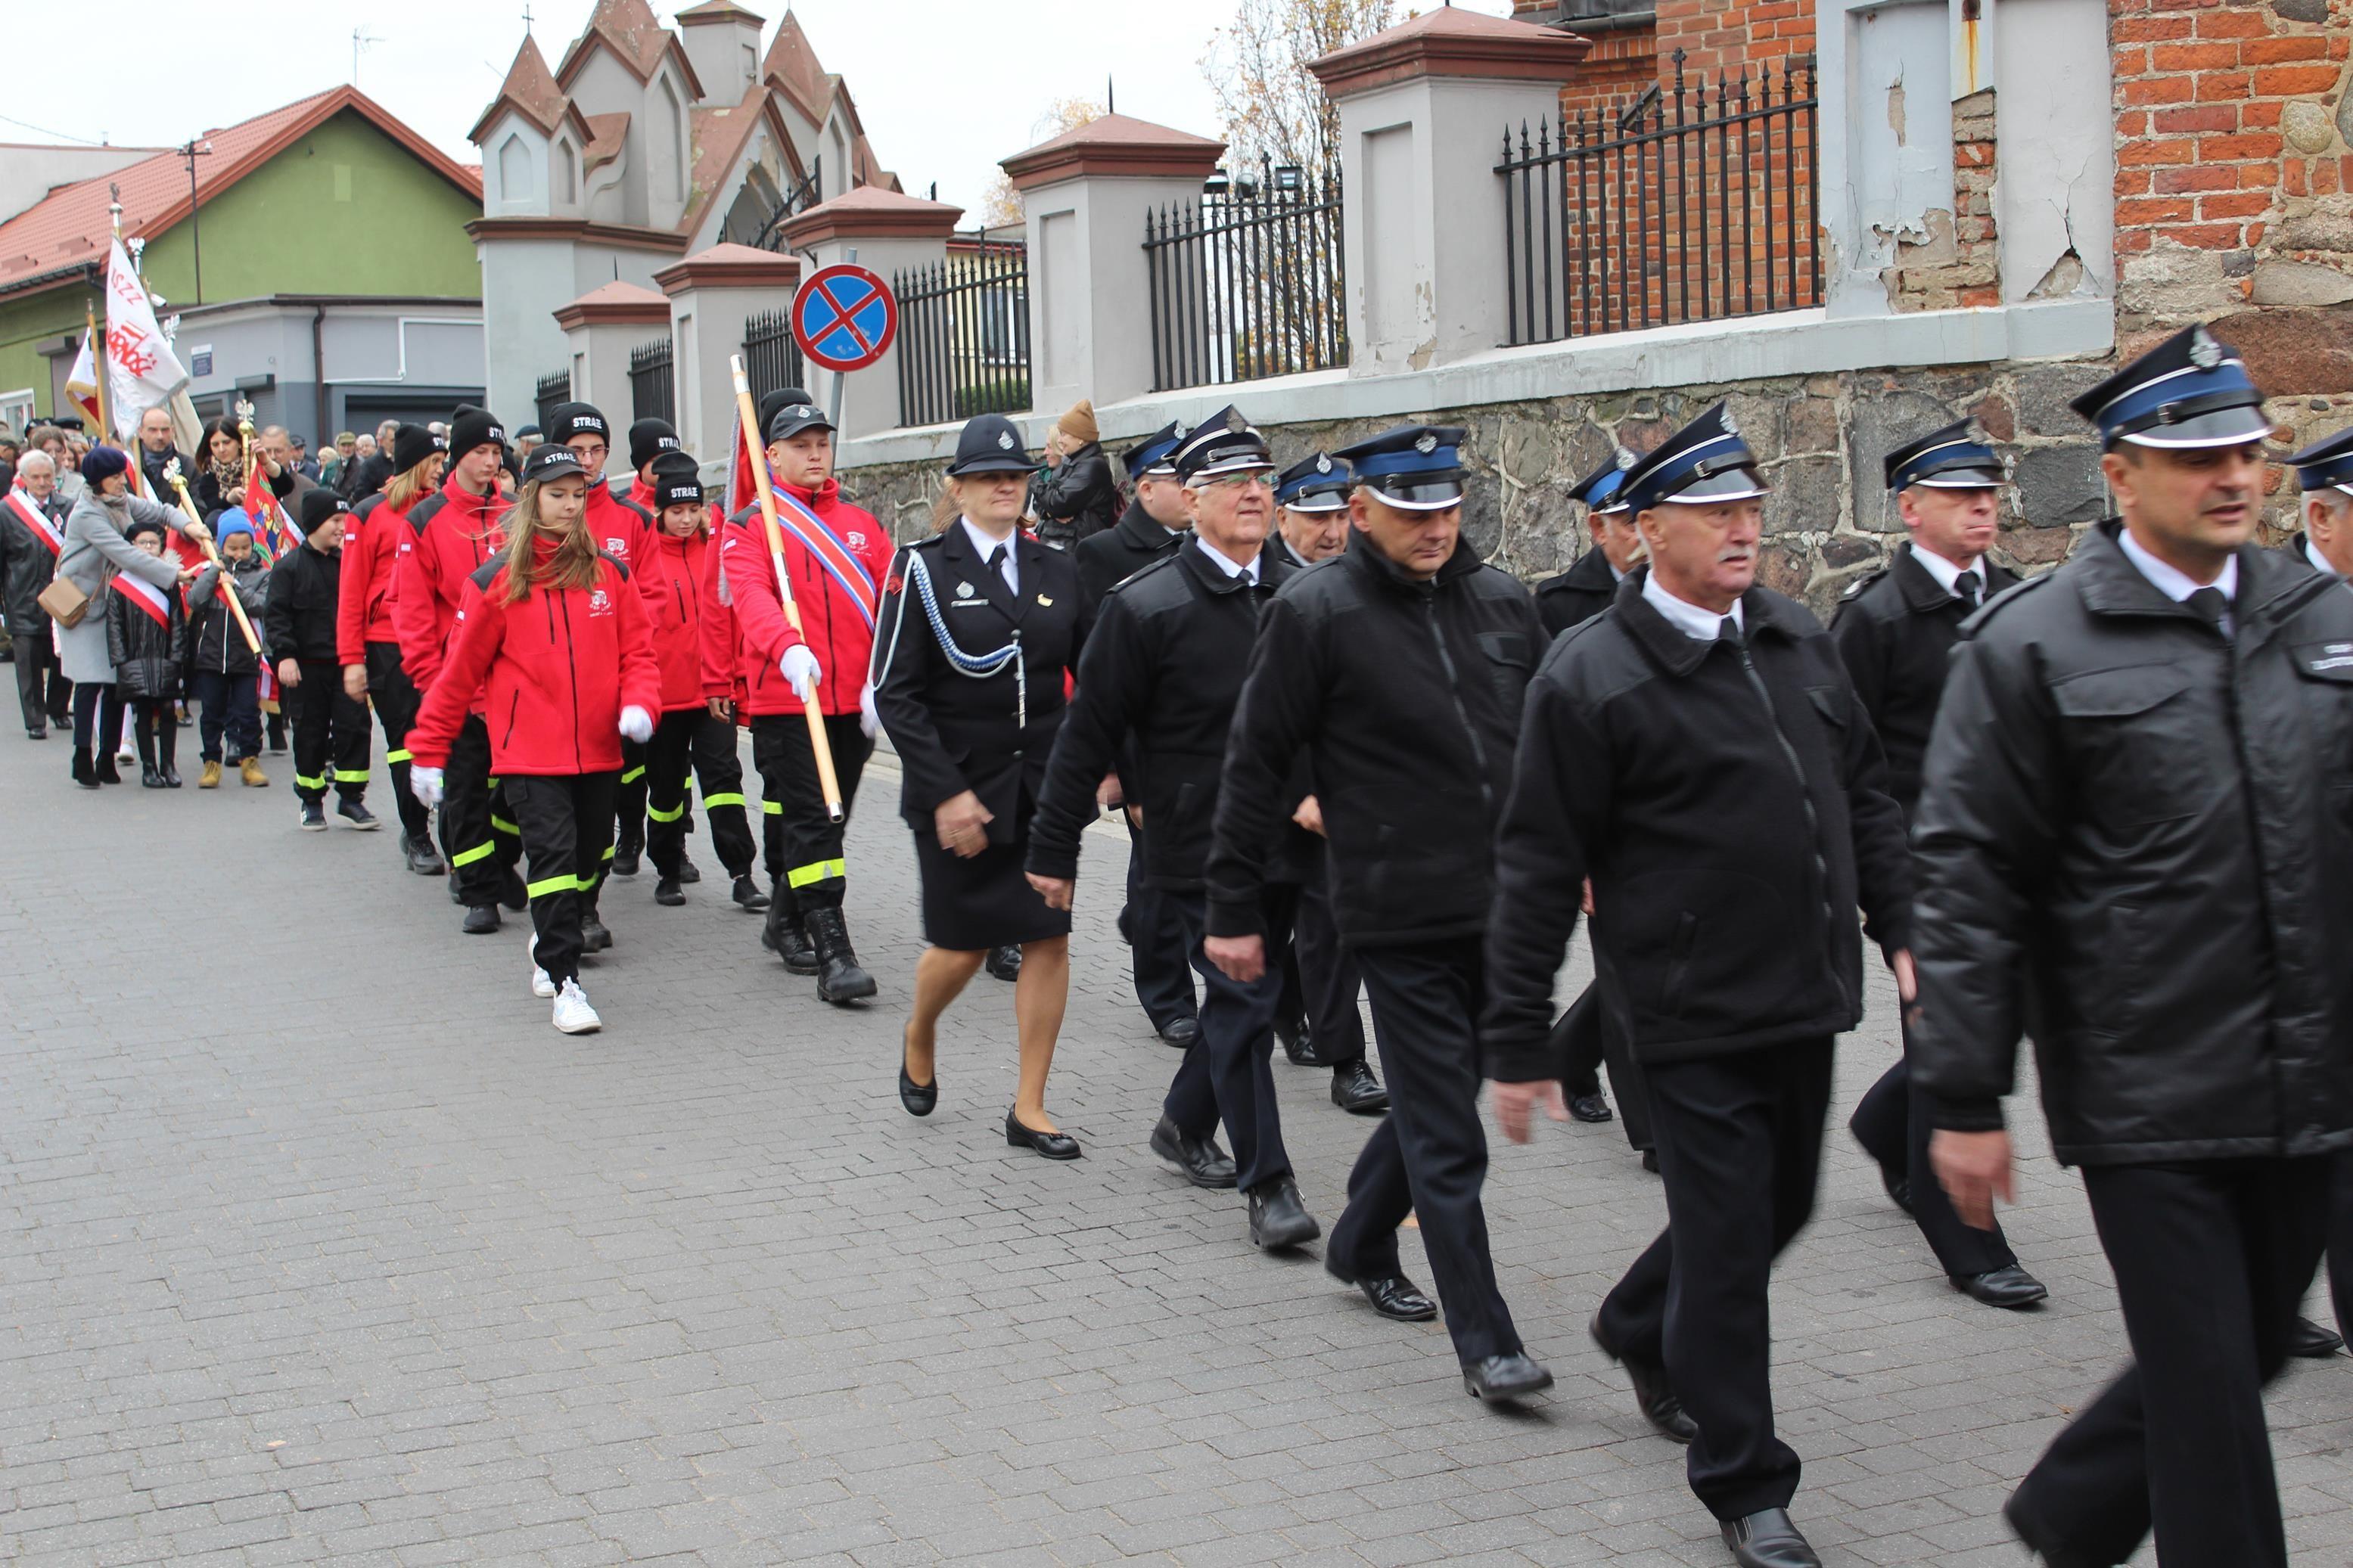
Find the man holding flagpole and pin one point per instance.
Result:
(838, 556)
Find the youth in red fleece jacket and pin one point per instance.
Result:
(695, 735)
(831, 623)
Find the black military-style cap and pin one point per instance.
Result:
(1152, 455)
(2191, 390)
(1318, 482)
(1956, 458)
(1224, 443)
(2327, 464)
(989, 444)
(1416, 468)
(1702, 463)
(552, 460)
(793, 411)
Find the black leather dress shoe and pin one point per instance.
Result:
(1203, 1163)
(1653, 1394)
(1299, 1047)
(918, 1098)
(1513, 1376)
(1766, 1538)
(1051, 1145)
(1181, 1032)
(1899, 1187)
(2310, 1341)
(1005, 963)
(1355, 1091)
(1277, 1217)
(1590, 1108)
(1392, 1295)
(2012, 1288)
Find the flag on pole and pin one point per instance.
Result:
(141, 370)
(81, 384)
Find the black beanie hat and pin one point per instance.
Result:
(649, 438)
(474, 427)
(411, 445)
(567, 420)
(676, 486)
(319, 504)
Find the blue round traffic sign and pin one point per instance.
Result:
(844, 317)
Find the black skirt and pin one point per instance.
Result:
(983, 902)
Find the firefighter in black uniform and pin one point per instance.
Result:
(1698, 753)
(1397, 670)
(1317, 1020)
(1582, 1034)
(1163, 668)
(1896, 629)
(2135, 845)
(1154, 525)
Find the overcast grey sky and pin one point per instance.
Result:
(945, 87)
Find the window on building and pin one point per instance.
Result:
(567, 172)
(516, 186)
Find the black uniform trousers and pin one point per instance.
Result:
(629, 803)
(2340, 1243)
(1585, 1041)
(478, 837)
(42, 689)
(1740, 1151)
(690, 738)
(331, 734)
(2212, 1259)
(394, 697)
(1227, 1072)
(810, 844)
(1891, 1123)
(1429, 1155)
(1320, 979)
(1154, 933)
(568, 836)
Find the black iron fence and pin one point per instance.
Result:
(1247, 282)
(771, 356)
(963, 333)
(554, 388)
(1689, 204)
(653, 387)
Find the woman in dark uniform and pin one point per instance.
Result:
(981, 626)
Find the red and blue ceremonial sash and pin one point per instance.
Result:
(147, 596)
(29, 510)
(840, 562)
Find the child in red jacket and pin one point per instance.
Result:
(554, 634)
(697, 727)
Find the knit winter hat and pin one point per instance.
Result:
(1079, 422)
(411, 445)
(102, 463)
(650, 437)
(319, 504)
(474, 427)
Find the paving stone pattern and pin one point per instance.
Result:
(318, 1243)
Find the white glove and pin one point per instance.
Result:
(800, 669)
(424, 784)
(637, 724)
(869, 720)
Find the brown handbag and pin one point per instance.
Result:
(64, 602)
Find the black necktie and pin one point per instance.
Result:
(1727, 631)
(2210, 605)
(1965, 586)
(996, 567)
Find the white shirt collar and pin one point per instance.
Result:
(1945, 573)
(983, 546)
(2319, 562)
(1227, 566)
(1688, 618)
(2170, 580)
(1614, 575)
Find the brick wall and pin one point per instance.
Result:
(1717, 34)
(1957, 262)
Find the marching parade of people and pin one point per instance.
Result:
(2102, 808)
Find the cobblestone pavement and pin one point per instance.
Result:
(317, 1243)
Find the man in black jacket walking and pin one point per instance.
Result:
(1153, 526)
(1397, 670)
(1896, 628)
(1157, 684)
(1698, 753)
(330, 727)
(2135, 844)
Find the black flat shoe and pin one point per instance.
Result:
(1393, 1296)
(1203, 1163)
(1590, 1108)
(1653, 1394)
(1181, 1032)
(1514, 1376)
(1051, 1145)
(920, 1098)
(2311, 1341)
(1277, 1217)
(1766, 1538)
(2012, 1288)
(1355, 1091)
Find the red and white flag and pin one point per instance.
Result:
(81, 384)
(146, 596)
(141, 370)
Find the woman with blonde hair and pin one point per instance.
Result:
(555, 634)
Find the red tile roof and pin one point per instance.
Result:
(69, 226)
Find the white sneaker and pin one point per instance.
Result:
(573, 1014)
(541, 986)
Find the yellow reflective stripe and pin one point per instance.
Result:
(721, 799)
(772, 807)
(492, 781)
(656, 814)
(468, 857)
(816, 871)
(391, 757)
(503, 826)
(566, 883)
(609, 850)
(303, 783)
(351, 775)
(634, 774)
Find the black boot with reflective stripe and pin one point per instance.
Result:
(839, 977)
